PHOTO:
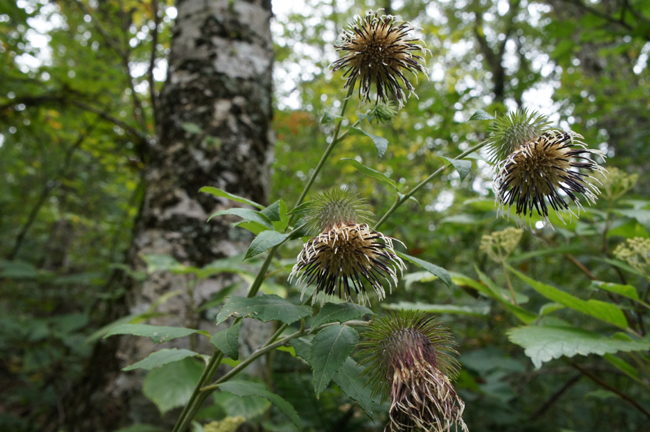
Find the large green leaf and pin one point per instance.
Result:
(227, 341)
(171, 385)
(480, 311)
(381, 143)
(162, 357)
(340, 312)
(370, 172)
(489, 288)
(264, 241)
(356, 387)
(462, 166)
(480, 114)
(223, 194)
(601, 310)
(329, 349)
(156, 333)
(264, 308)
(543, 344)
(431, 268)
(247, 388)
(246, 215)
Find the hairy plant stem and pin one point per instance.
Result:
(198, 396)
(402, 200)
(512, 291)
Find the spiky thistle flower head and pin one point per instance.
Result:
(408, 358)
(509, 132)
(336, 206)
(377, 49)
(545, 171)
(345, 254)
(383, 112)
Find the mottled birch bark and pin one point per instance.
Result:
(219, 79)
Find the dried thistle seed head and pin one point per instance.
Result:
(636, 252)
(509, 132)
(498, 245)
(377, 50)
(545, 170)
(409, 362)
(615, 183)
(340, 259)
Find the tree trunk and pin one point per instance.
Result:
(214, 129)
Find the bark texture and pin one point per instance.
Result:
(219, 79)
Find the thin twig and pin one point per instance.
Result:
(555, 397)
(613, 389)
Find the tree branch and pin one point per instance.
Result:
(106, 116)
(613, 389)
(554, 397)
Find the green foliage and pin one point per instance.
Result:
(161, 357)
(328, 351)
(171, 385)
(247, 388)
(158, 334)
(543, 343)
(264, 308)
(341, 312)
(227, 341)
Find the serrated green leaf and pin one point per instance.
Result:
(273, 211)
(156, 333)
(249, 407)
(431, 268)
(549, 308)
(247, 388)
(381, 143)
(161, 357)
(439, 308)
(460, 165)
(370, 172)
(625, 290)
(340, 312)
(265, 241)
(481, 115)
(171, 385)
(302, 348)
(356, 387)
(247, 215)
(223, 194)
(264, 308)
(329, 349)
(622, 365)
(601, 310)
(227, 341)
(543, 344)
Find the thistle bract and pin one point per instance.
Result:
(377, 50)
(544, 172)
(409, 362)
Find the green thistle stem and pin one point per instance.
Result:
(439, 171)
(198, 395)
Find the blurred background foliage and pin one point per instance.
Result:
(78, 80)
